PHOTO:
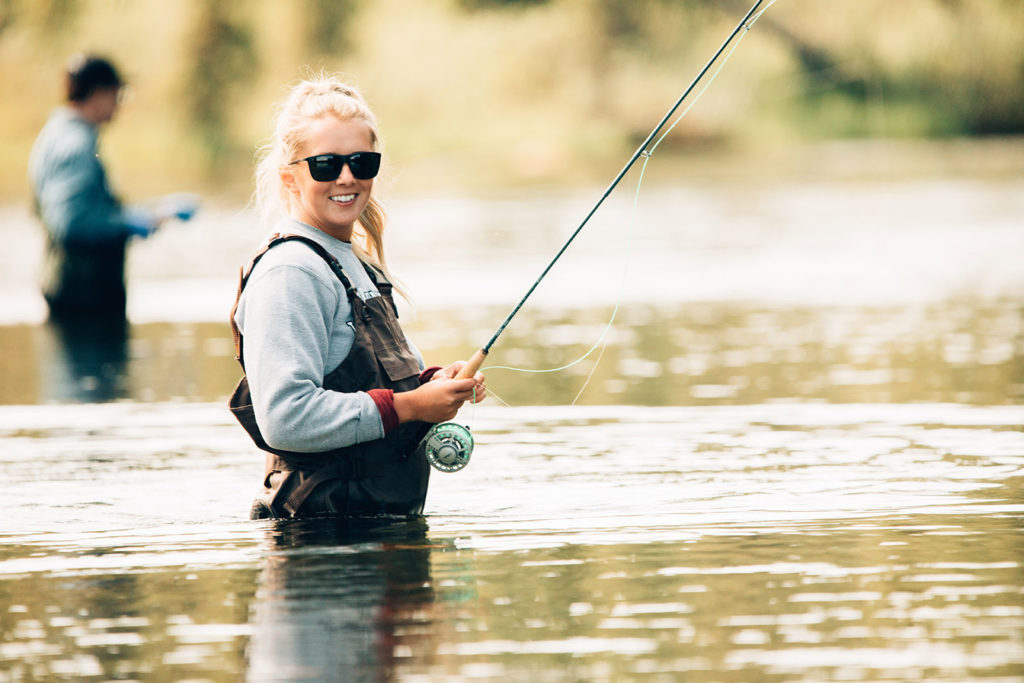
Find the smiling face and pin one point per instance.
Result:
(331, 206)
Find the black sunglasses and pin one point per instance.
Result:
(325, 167)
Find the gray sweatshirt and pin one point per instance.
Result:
(297, 326)
(70, 185)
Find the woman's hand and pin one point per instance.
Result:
(440, 399)
(454, 369)
(436, 401)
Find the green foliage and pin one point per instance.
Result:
(498, 92)
(222, 62)
(45, 16)
(328, 25)
(499, 4)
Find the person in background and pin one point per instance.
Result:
(87, 226)
(332, 390)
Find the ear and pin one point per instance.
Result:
(287, 175)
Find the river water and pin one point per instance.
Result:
(798, 455)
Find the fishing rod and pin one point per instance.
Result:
(449, 445)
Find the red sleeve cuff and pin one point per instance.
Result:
(428, 373)
(385, 401)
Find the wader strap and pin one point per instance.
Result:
(275, 501)
(275, 239)
(235, 333)
(350, 468)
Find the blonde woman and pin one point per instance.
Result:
(332, 389)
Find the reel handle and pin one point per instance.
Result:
(472, 365)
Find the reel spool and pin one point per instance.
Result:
(448, 446)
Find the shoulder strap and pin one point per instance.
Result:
(275, 239)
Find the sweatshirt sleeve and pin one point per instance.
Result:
(75, 202)
(288, 311)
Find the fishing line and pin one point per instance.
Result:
(448, 446)
(646, 155)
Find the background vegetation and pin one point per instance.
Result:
(485, 94)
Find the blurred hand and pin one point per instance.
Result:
(180, 205)
(139, 221)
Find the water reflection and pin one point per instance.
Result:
(961, 351)
(342, 600)
(151, 625)
(880, 600)
(83, 360)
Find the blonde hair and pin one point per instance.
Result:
(314, 98)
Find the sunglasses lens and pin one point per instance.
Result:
(325, 167)
(364, 165)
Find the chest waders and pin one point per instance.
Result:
(84, 278)
(384, 476)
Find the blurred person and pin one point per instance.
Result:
(332, 390)
(87, 226)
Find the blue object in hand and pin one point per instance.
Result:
(138, 221)
(181, 205)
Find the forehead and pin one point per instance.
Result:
(331, 135)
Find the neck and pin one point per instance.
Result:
(339, 233)
(84, 112)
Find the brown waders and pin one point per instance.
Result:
(387, 476)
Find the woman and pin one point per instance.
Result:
(332, 389)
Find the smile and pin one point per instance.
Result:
(343, 198)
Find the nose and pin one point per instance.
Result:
(346, 177)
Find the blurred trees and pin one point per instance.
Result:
(221, 63)
(328, 24)
(519, 87)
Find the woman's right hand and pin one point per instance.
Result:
(436, 401)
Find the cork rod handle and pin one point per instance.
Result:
(474, 363)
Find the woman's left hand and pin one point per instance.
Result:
(452, 370)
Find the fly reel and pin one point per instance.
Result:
(448, 446)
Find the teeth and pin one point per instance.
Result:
(343, 198)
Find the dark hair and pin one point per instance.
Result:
(87, 73)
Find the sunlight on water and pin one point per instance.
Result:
(872, 541)
(825, 244)
(800, 457)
